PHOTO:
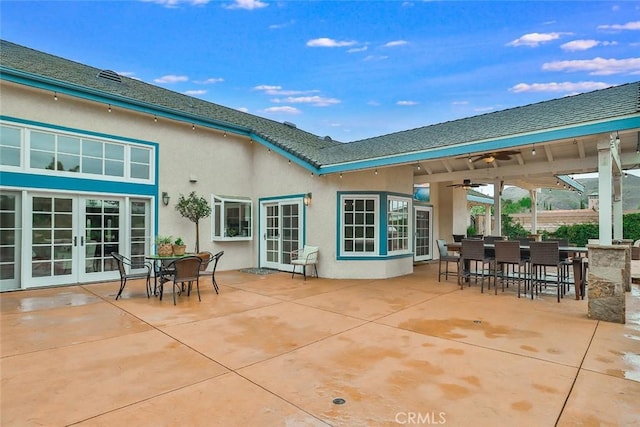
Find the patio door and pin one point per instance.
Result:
(423, 233)
(281, 228)
(10, 241)
(72, 237)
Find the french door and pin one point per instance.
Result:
(68, 239)
(281, 228)
(423, 233)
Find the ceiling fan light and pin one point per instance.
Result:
(488, 159)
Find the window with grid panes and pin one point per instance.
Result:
(359, 225)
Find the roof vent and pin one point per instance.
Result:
(291, 125)
(110, 75)
(327, 138)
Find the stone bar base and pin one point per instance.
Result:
(609, 272)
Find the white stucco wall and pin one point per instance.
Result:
(230, 165)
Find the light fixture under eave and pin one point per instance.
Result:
(55, 96)
(307, 199)
(109, 109)
(533, 151)
(488, 159)
(165, 198)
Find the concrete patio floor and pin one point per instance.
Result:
(274, 351)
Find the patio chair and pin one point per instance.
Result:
(446, 258)
(124, 267)
(472, 251)
(547, 254)
(209, 258)
(308, 255)
(508, 255)
(185, 270)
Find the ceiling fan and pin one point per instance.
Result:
(466, 184)
(496, 155)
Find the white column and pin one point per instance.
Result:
(497, 208)
(533, 194)
(617, 207)
(460, 211)
(487, 218)
(604, 192)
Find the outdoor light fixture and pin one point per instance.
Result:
(533, 151)
(165, 198)
(488, 159)
(470, 160)
(307, 199)
(55, 96)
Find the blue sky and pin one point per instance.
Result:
(348, 69)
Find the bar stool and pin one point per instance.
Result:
(508, 255)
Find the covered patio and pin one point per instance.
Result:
(270, 350)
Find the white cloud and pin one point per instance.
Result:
(318, 101)
(277, 90)
(535, 39)
(570, 87)
(327, 42)
(596, 66)
(460, 103)
(358, 49)
(287, 110)
(267, 87)
(176, 3)
(406, 103)
(246, 4)
(633, 26)
(243, 109)
(210, 81)
(375, 58)
(374, 103)
(170, 78)
(279, 26)
(395, 43)
(195, 92)
(574, 45)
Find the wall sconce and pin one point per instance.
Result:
(307, 199)
(165, 198)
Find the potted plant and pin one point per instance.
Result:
(194, 208)
(164, 246)
(179, 247)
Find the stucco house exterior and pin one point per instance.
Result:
(86, 156)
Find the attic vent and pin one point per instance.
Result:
(291, 125)
(110, 75)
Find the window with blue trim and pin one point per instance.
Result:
(398, 225)
(359, 225)
(66, 153)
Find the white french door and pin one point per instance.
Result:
(423, 233)
(71, 237)
(281, 228)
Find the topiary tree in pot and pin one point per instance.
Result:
(194, 208)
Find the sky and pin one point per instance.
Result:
(345, 69)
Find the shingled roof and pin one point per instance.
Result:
(614, 102)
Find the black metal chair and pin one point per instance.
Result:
(547, 254)
(207, 259)
(124, 267)
(185, 270)
(446, 258)
(508, 255)
(472, 251)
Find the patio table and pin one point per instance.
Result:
(579, 263)
(158, 266)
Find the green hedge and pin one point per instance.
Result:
(579, 234)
